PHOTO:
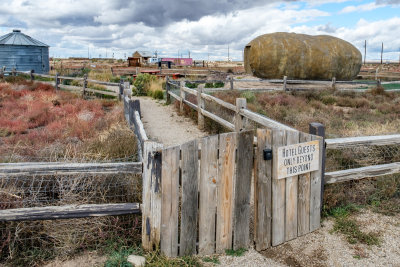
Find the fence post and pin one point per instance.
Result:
(378, 83)
(121, 89)
(151, 207)
(167, 88)
(284, 83)
(231, 82)
(137, 70)
(333, 85)
(84, 85)
(240, 124)
(200, 107)
(2, 73)
(127, 89)
(57, 81)
(32, 77)
(182, 94)
(316, 128)
(13, 72)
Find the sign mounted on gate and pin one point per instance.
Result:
(297, 159)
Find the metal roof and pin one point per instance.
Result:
(18, 38)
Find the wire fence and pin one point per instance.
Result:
(351, 157)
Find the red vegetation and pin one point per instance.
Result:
(34, 115)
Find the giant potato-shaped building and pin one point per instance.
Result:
(300, 56)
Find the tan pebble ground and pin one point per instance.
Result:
(163, 124)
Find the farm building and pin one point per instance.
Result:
(179, 61)
(139, 58)
(23, 53)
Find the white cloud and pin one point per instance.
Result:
(360, 8)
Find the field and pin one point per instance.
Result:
(343, 113)
(39, 124)
(36, 123)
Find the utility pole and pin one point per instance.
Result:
(382, 54)
(189, 53)
(228, 53)
(365, 51)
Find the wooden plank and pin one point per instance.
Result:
(278, 193)
(303, 205)
(291, 195)
(315, 191)
(361, 173)
(190, 91)
(102, 83)
(62, 168)
(381, 140)
(267, 122)
(189, 204)
(151, 196)
(200, 105)
(244, 167)
(141, 131)
(262, 192)
(208, 194)
(174, 96)
(170, 201)
(226, 173)
(101, 92)
(68, 212)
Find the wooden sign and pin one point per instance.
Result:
(296, 159)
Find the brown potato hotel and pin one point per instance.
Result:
(301, 56)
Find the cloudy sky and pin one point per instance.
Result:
(205, 28)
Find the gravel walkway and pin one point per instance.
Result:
(163, 124)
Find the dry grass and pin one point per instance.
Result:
(343, 113)
(36, 123)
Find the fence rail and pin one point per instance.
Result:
(68, 212)
(61, 168)
(116, 92)
(240, 109)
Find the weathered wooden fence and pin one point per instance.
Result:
(112, 89)
(196, 196)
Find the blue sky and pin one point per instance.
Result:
(205, 28)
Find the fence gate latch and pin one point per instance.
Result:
(267, 154)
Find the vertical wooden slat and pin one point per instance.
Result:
(189, 205)
(292, 137)
(208, 194)
(170, 201)
(151, 207)
(278, 193)
(244, 166)
(315, 197)
(303, 205)
(262, 192)
(226, 172)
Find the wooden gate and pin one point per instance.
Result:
(289, 207)
(196, 196)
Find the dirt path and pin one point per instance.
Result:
(163, 124)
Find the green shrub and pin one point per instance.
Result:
(115, 79)
(158, 94)
(142, 83)
(75, 83)
(209, 85)
(250, 97)
(219, 85)
(191, 85)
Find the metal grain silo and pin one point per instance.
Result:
(23, 53)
